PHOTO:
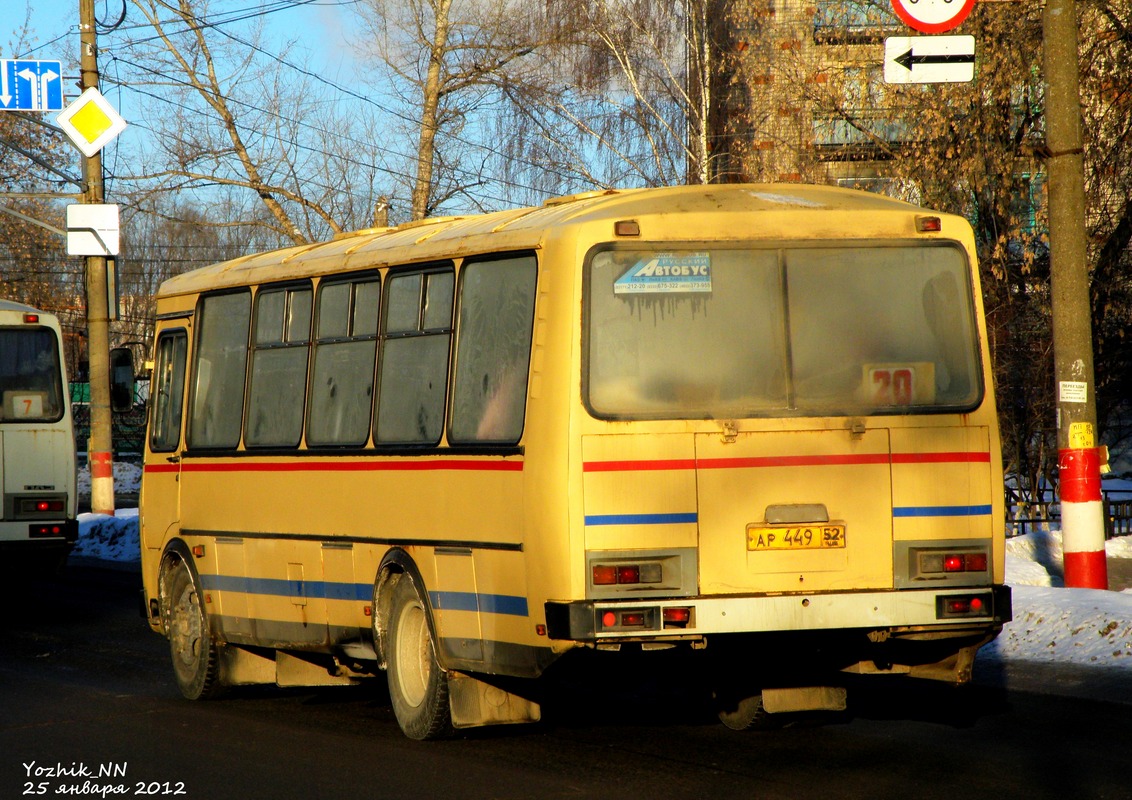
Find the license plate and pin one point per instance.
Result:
(796, 537)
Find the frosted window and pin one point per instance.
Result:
(343, 373)
(414, 358)
(218, 373)
(793, 330)
(493, 350)
(279, 368)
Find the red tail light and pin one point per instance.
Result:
(629, 573)
(41, 506)
(604, 575)
(936, 562)
(975, 562)
(965, 605)
(45, 530)
(678, 617)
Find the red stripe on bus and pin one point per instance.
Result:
(348, 466)
(755, 462)
(941, 458)
(638, 466)
(795, 461)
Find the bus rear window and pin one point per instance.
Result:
(723, 333)
(30, 384)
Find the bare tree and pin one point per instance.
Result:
(447, 61)
(231, 123)
(633, 94)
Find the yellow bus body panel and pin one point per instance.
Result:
(292, 542)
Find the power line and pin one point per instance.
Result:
(216, 21)
(304, 123)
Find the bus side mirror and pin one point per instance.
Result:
(121, 379)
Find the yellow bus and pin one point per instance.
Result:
(751, 420)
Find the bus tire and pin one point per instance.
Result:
(418, 687)
(194, 651)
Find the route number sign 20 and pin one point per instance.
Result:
(932, 16)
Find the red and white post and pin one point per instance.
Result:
(1082, 517)
(1079, 459)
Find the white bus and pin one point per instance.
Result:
(37, 443)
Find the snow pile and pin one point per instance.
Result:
(1087, 627)
(1078, 626)
(109, 538)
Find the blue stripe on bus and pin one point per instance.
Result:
(325, 590)
(486, 603)
(941, 511)
(447, 601)
(641, 519)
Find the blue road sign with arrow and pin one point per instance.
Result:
(31, 85)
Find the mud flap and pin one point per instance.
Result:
(474, 702)
(239, 667)
(804, 698)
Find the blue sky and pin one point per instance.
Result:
(55, 24)
(319, 26)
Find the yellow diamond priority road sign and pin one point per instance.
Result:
(91, 122)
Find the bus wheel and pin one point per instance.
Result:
(747, 713)
(196, 661)
(418, 686)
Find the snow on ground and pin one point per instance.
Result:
(1052, 624)
(111, 538)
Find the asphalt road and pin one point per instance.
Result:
(86, 687)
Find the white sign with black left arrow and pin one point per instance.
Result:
(929, 59)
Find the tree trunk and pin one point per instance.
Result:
(426, 149)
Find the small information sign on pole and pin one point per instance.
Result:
(929, 59)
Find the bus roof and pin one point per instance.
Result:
(523, 228)
(12, 305)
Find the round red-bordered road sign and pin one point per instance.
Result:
(932, 16)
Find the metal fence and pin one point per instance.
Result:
(127, 434)
(1117, 516)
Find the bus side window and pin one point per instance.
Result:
(414, 358)
(165, 432)
(493, 349)
(279, 367)
(219, 362)
(343, 372)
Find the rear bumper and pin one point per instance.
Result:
(36, 536)
(595, 621)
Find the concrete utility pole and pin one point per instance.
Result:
(99, 449)
(1079, 459)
